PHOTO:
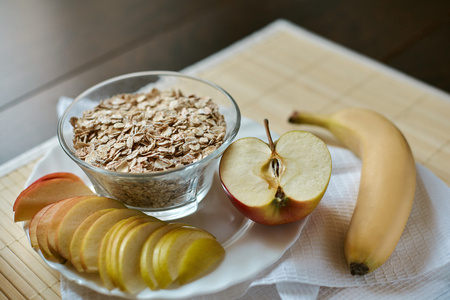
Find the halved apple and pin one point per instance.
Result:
(276, 183)
(90, 245)
(80, 232)
(75, 216)
(44, 192)
(146, 262)
(169, 251)
(128, 276)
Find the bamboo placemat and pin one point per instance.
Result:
(271, 73)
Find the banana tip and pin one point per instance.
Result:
(358, 269)
(293, 116)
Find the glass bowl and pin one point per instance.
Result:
(168, 194)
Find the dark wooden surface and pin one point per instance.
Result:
(52, 48)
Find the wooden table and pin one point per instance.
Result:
(270, 74)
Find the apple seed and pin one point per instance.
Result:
(275, 164)
(276, 167)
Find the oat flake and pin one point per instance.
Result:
(148, 132)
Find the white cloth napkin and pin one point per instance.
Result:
(314, 267)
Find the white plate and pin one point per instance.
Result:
(250, 247)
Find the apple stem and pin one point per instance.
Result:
(269, 137)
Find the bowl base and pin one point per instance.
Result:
(176, 212)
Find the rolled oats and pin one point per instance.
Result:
(160, 125)
(148, 132)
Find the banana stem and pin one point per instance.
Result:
(309, 118)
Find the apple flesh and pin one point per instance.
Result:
(147, 254)
(59, 215)
(75, 216)
(105, 252)
(200, 257)
(44, 191)
(169, 251)
(276, 183)
(32, 227)
(43, 225)
(112, 254)
(128, 276)
(77, 239)
(90, 246)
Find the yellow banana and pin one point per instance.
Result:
(387, 183)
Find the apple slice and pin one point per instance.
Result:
(200, 257)
(90, 245)
(276, 183)
(48, 177)
(59, 215)
(58, 175)
(128, 276)
(169, 251)
(75, 216)
(112, 256)
(43, 228)
(44, 192)
(32, 227)
(147, 254)
(105, 251)
(80, 232)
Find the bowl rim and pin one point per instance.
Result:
(216, 153)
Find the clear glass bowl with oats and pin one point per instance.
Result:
(151, 139)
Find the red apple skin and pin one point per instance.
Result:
(272, 213)
(58, 175)
(47, 177)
